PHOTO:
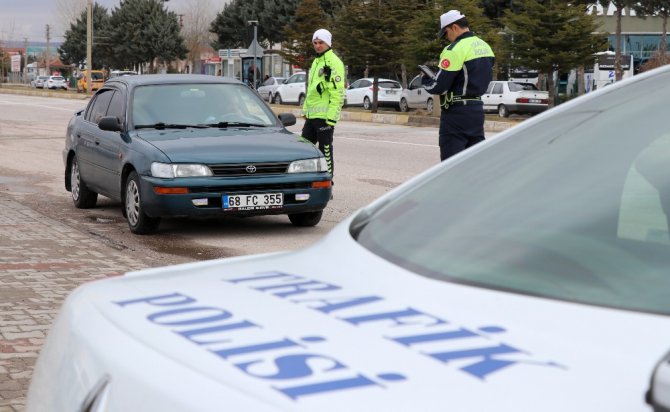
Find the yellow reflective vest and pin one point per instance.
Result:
(325, 88)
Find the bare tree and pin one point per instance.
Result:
(196, 20)
(68, 12)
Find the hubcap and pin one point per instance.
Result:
(74, 181)
(132, 202)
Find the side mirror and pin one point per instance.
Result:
(110, 124)
(287, 119)
(658, 395)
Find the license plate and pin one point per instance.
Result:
(534, 101)
(253, 201)
(391, 92)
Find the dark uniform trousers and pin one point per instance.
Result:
(461, 126)
(317, 131)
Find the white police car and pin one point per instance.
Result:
(529, 273)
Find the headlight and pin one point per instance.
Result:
(169, 171)
(308, 165)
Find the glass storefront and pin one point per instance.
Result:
(641, 46)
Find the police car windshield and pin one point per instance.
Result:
(575, 207)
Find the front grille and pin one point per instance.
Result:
(233, 189)
(242, 169)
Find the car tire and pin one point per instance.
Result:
(366, 104)
(82, 196)
(503, 111)
(278, 99)
(404, 107)
(429, 106)
(301, 100)
(138, 222)
(305, 219)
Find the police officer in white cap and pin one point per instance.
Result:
(466, 67)
(325, 96)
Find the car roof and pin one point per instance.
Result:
(381, 79)
(146, 79)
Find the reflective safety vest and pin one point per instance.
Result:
(325, 88)
(466, 68)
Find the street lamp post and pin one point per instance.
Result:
(255, 52)
(89, 45)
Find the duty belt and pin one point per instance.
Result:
(451, 100)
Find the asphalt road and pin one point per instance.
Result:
(370, 159)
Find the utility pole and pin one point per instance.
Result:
(47, 54)
(25, 59)
(89, 45)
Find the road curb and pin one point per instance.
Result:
(29, 91)
(403, 119)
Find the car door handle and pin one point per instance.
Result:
(97, 141)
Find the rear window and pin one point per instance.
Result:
(389, 85)
(517, 87)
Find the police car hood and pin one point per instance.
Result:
(336, 328)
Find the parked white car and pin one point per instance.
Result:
(415, 96)
(56, 82)
(267, 89)
(506, 97)
(39, 82)
(360, 93)
(292, 91)
(527, 273)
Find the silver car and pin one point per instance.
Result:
(415, 96)
(39, 82)
(267, 89)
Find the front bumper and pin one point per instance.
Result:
(204, 197)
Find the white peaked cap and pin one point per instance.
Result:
(450, 17)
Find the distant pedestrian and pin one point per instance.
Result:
(325, 96)
(466, 66)
(251, 75)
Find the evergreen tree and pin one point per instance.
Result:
(370, 33)
(552, 37)
(144, 31)
(420, 44)
(73, 49)
(230, 25)
(297, 49)
(273, 17)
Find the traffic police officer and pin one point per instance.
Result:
(466, 66)
(325, 96)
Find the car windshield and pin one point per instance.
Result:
(96, 76)
(199, 105)
(517, 87)
(574, 206)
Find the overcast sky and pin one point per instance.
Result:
(20, 19)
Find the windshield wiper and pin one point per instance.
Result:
(161, 126)
(223, 125)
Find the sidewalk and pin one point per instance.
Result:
(41, 261)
